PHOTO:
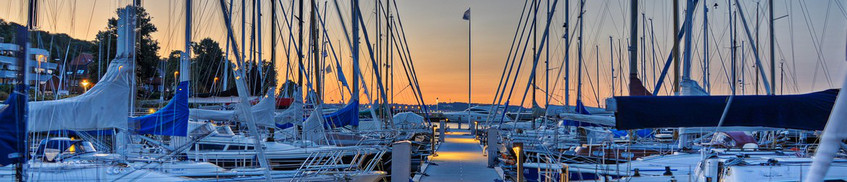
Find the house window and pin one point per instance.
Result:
(80, 72)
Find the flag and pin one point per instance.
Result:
(467, 15)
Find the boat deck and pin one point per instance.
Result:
(459, 159)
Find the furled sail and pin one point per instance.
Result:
(171, 120)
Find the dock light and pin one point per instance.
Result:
(84, 84)
(151, 111)
(518, 163)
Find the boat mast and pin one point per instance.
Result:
(273, 42)
(706, 47)
(732, 47)
(567, 54)
(354, 6)
(633, 45)
(300, 46)
(675, 46)
(773, 57)
(316, 64)
(612, 63)
(185, 73)
(579, 55)
(260, 63)
(20, 117)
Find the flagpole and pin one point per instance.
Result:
(469, 70)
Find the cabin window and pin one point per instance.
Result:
(211, 147)
(240, 147)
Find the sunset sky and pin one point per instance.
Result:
(810, 41)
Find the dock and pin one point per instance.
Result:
(460, 158)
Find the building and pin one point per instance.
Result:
(39, 69)
(77, 73)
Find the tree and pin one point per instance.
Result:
(147, 49)
(207, 64)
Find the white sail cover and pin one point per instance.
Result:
(313, 128)
(105, 105)
(294, 112)
(263, 112)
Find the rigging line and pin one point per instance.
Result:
(403, 61)
(90, 17)
(544, 38)
(517, 72)
(718, 51)
(814, 37)
(408, 53)
(841, 7)
(507, 65)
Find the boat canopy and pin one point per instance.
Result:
(171, 120)
(805, 111)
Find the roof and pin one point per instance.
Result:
(82, 59)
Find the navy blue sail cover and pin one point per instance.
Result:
(805, 111)
(12, 128)
(349, 115)
(171, 120)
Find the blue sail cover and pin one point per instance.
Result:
(806, 111)
(171, 120)
(349, 115)
(12, 128)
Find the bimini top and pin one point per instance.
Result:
(806, 111)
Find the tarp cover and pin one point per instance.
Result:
(171, 120)
(12, 134)
(806, 111)
(349, 115)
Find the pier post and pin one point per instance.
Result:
(492, 143)
(442, 126)
(401, 161)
